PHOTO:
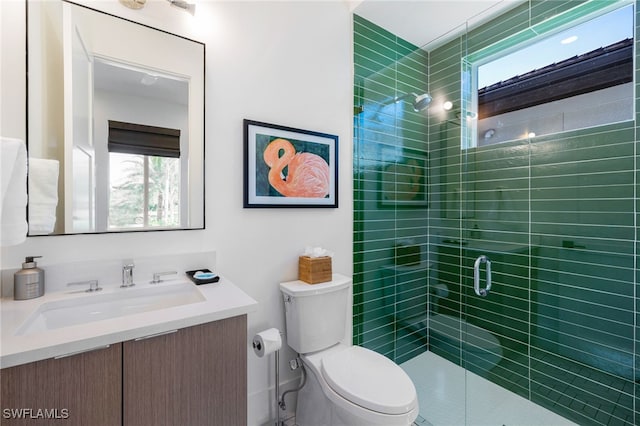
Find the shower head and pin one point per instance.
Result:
(419, 102)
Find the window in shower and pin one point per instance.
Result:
(573, 71)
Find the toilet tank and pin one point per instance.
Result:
(316, 314)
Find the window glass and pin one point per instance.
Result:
(577, 78)
(144, 191)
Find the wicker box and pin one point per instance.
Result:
(314, 270)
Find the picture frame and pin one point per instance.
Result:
(404, 181)
(289, 167)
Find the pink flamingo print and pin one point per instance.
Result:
(308, 174)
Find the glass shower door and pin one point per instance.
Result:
(495, 275)
(555, 217)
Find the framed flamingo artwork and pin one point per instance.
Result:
(287, 167)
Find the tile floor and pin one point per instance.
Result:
(443, 387)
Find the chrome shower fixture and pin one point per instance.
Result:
(419, 102)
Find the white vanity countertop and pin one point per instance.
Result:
(221, 300)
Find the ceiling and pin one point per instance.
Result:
(135, 81)
(430, 23)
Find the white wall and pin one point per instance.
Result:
(286, 63)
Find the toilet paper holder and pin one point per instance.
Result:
(267, 341)
(264, 343)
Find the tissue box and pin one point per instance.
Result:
(314, 270)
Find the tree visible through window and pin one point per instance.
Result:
(144, 191)
(144, 176)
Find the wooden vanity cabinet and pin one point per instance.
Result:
(193, 376)
(82, 389)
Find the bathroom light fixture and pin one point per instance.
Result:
(184, 5)
(489, 134)
(148, 79)
(133, 4)
(532, 134)
(569, 40)
(447, 105)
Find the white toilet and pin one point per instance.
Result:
(346, 385)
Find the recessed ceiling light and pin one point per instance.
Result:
(149, 79)
(569, 40)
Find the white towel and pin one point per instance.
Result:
(43, 195)
(13, 192)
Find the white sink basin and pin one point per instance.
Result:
(101, 306)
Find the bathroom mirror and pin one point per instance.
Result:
(115, 124)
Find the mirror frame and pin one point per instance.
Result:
(201, 158)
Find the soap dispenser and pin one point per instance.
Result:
(28, 283)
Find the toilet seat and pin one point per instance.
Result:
(349, 373)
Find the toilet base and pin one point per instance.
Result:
(316, 408)
(312, 409)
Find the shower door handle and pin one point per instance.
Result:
(476, 276)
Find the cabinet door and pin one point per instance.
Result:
(83, 389)
(194, 376)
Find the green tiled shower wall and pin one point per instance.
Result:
(390, 198)
(556, 214)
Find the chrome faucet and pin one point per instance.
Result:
(127, 273)
(93, 285)
(157, 275)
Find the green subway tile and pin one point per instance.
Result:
(544, 13)
(365, 28)
(374, 48)
(606, 178)
(586, 157)
(383, 345)
(378, 88)
(591, 193)
(586, 231)
(409, 72)
(450, 51)
(504, 32)
(404, 47)
(416, 59)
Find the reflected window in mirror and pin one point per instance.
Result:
(563, 77)
(144, 177)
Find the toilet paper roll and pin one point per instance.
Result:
(267, 341)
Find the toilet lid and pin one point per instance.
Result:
(370, 380)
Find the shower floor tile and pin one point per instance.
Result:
(443, 387)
